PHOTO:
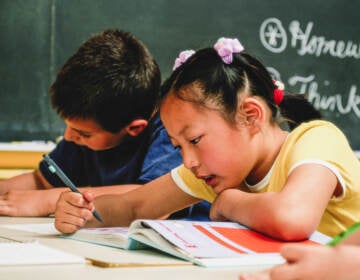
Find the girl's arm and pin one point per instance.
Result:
(152, 201)
(292, 214)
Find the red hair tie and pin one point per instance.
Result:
(278, 92)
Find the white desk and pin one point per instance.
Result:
(88, 272)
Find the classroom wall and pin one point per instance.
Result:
(311, 45)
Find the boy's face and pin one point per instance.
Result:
(86, 132)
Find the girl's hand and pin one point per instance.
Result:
(314, 262)
(220, 204)
(73, 211)
(318, 262)
(264, 275)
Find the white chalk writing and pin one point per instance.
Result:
(344, 104)
(303, 39)
(274, 38)
(319, 45)
(273, 35)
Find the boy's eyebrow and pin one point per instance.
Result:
(80, 131)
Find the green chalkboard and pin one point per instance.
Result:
(311, 45)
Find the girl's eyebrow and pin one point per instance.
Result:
(183, 130)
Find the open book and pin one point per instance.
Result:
(206, 244)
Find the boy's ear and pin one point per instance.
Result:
(136, 127)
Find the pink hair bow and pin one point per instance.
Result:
(225, 47)
(183, 56)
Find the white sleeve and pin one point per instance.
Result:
(180, 183)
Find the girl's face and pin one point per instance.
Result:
(88, 133)
(215, 151)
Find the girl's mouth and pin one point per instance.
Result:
(210, 180)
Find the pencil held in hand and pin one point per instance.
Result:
(337, 239)
(55, 169)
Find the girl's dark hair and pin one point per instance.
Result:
(222, 83)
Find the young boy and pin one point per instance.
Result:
(106, 93)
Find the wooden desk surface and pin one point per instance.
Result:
(8, 173)
(23, 155)
(87, 271)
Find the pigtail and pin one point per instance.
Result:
(295, 109)
(224, 71)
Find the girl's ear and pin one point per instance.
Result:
(253, 113)
(136, 127)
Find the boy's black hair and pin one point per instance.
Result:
(112, 79)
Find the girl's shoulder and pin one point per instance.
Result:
(316, 140)
(316, 129)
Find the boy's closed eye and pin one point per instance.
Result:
(84, 135)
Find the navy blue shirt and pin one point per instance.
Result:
(138, 161)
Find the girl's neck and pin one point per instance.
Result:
(271, 146)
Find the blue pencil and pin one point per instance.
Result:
(54, 168)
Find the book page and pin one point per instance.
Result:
(216, 239)
(34, 253)
(111, 236)
(42, 228)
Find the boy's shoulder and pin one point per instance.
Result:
(155, 126)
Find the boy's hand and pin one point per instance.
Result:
(28, 203)
(73, 211)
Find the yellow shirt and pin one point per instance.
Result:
(318, 142)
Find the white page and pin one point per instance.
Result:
(110, 236)
(247, 259)
(188, 237)
(29, 146)
(43, 228)
(34, 253)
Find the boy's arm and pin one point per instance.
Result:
(41, 203)
(27, 194)
(30, 195)
(27, 181)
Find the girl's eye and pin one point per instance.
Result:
(195, 140)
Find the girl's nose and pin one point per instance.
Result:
(190, 161)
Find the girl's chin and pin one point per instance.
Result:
(218, 189)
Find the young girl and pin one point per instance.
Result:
(222, 110)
